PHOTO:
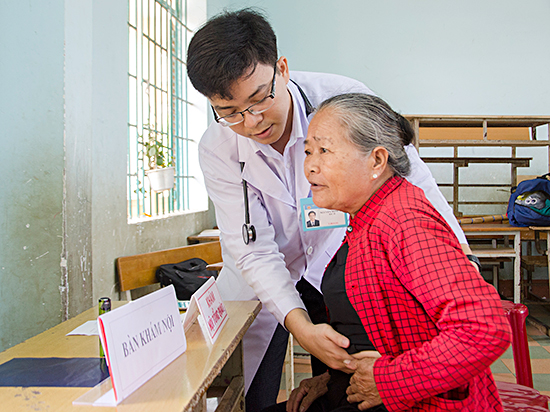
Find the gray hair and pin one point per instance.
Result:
(370, 122)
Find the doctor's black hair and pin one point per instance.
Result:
(229, 46)
(371, 122)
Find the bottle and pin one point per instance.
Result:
(104, 307)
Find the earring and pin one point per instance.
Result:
(374, 176)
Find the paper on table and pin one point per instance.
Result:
(87, 329)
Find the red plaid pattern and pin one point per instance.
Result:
(436, 322)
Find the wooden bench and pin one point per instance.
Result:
(139, 270)
(460, 132)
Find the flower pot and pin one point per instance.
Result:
(161, 179)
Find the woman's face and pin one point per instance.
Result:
(340, 175)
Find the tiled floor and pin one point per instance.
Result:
(539, 348)
(503, 368)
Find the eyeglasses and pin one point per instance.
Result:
(263, 105)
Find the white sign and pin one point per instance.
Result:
(207, 302)
(140, 338)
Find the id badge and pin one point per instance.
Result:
(317, 218)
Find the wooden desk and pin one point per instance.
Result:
(208, 235)
(181, 386)
(465, 161)
(486, 230)
(215, 266)
(192, 240)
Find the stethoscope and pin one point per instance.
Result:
(248, 230)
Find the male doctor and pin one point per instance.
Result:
(261, 113)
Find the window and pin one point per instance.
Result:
(163, 107)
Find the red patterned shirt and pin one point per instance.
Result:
(436, 322)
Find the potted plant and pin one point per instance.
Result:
(158, 160)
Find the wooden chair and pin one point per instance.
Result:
(528, 264)
(139, 270)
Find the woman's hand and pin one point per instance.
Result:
(320, 340)
(310, 389)
(362, 387)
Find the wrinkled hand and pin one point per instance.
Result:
(310, 389)
(362, 388)
(320, 340)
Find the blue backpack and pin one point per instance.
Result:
(529, 203)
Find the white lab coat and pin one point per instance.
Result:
(283, 252)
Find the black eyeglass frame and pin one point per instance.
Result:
(250, 108)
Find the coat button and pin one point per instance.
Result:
(349, 229)
(309, 250)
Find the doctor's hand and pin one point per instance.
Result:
(320, 340)
(304, 395)
(362, 387)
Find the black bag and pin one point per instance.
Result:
(529, 204)
(186, 276)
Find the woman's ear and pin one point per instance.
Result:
(379, 159)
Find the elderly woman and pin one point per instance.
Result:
(423, 325)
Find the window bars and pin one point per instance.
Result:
(158, 123)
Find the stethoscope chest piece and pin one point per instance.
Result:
(249, 233)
